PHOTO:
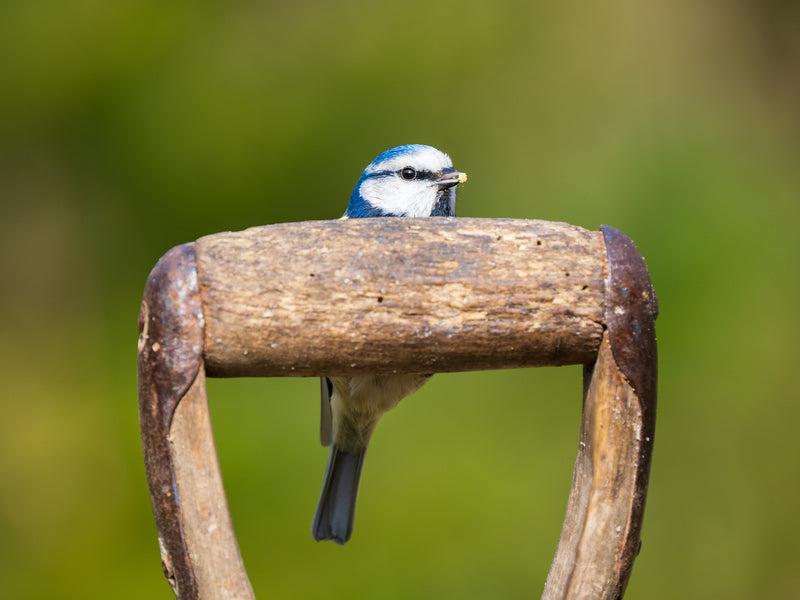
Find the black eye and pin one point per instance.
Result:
(408, 173)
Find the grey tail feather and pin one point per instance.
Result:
(337, 501)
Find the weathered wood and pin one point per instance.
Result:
(169, 359)
(215, 557)
(400, 295)
(199, 553)
(600, 538)
(589, 560)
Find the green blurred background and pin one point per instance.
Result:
(129, 127)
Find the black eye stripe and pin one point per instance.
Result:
(429, 175)
(419, 174)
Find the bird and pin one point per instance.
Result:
(413, 180)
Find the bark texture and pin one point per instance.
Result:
(400, 295)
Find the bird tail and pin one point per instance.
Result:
(337, 501)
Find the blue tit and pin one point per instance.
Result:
(407, 181)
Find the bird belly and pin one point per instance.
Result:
(359, 402)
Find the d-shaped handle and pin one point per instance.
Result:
(391, 296)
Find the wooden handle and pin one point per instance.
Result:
(399, 295)
(600, 536)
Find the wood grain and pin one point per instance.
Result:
(214, 553)
(599, 538)
(400, 295)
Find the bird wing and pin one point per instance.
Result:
(325, 417)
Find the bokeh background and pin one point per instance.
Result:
(129, 127)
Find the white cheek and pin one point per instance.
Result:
(407, 198)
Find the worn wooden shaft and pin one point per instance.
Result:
(600, 537)
(400, 295)
(216, 560)
(170, 361)
(597, 547)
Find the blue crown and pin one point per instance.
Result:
(400, 151)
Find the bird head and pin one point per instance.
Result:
(407, 181)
